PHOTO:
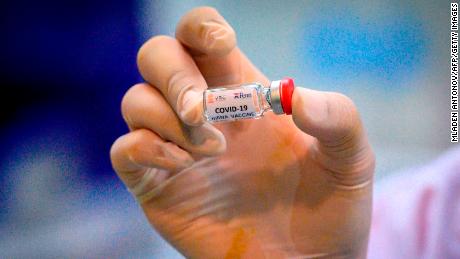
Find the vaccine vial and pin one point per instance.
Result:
(248, 101)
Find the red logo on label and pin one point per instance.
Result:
(210, 98)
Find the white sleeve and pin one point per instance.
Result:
(416, 213)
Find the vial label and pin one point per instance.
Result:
(226, 104)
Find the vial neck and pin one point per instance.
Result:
(266, 101)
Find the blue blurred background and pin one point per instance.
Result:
(67, 64)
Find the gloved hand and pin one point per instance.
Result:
(276, 187)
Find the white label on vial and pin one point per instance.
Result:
(232, 104)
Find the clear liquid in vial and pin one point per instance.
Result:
(235, 102)
(248, 101)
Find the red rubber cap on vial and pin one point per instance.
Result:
(286, 91)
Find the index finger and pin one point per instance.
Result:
(212, 43)
(164, 63)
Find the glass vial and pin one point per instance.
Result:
(248, 101)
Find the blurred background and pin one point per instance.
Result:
(67, 64)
